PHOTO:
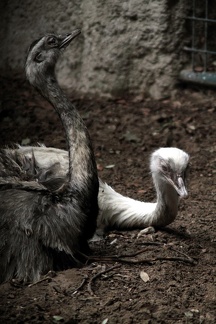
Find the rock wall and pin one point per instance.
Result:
(129, 47)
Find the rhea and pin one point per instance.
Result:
(45, 223)
(169, 168)
(169, 171)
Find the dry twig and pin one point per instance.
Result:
(98, 275)
(39, 281)
(121, 258)
(51, 274)
(80, 286)
(186, 260)
(182, 253)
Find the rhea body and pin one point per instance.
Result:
(46, 221)
(168, 166)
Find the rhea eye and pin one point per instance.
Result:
(164, 167)
(39, 58)
(51, 41)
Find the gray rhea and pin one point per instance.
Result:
(45, 221)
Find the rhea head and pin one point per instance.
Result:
(169, 167)
(43, 55)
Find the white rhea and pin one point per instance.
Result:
(168, 168)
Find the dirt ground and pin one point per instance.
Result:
(178, 262)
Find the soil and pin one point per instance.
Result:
(173, 279)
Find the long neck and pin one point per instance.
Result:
(81, 157)
(166, 207)
(123, 212)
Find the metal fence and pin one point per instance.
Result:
(203, 47)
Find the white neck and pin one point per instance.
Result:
(123, 212)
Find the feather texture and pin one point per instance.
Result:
(169, 171)
(47, 217)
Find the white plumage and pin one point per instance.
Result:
(168, 167)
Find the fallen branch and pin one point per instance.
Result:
(80, 286)
(114, 257)
(186, 260)
(89, 287)
(140, 251)
(51, 274)
(39, 281)
(182, 253)
(121, 258)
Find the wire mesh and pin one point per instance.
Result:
(202, 57)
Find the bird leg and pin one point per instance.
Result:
(145, 231)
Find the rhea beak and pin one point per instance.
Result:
(179, 186)
(65, 41)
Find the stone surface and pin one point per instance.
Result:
(126, 47)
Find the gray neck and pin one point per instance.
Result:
(81, 157)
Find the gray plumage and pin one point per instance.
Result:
(46, 221)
